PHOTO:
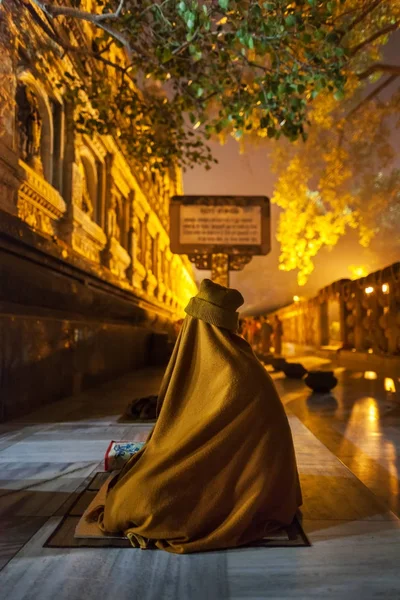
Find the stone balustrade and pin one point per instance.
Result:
(359, 316)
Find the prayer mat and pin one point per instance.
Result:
(73, 525)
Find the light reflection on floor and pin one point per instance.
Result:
(359, 421)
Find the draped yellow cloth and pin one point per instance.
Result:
(219, 469)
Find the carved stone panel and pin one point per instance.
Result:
(39, 204)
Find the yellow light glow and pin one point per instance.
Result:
(370, 375)
(370, 351)
(369, 290)
(385, 288)
(373, 410)
(358, 271)
(389, 385)
(296, 299)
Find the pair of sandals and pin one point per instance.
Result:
(142, 409)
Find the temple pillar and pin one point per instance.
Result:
(131, 240)
(66, 225)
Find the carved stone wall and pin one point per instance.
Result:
(97, 207)
(84, 247)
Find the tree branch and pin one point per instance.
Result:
(363, 14)
(380, 67)
(112, 15)
(372, 94)
(56, 11)
(67, 47)
(374, 36)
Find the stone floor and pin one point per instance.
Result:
(348, 448)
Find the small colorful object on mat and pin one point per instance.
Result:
(118, 453)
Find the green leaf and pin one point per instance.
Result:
(290, 20)
(190, 19)
(166, 55)
(223, 4)
(338, 95)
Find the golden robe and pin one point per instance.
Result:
(219, 469)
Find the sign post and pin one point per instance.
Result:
(220, 233)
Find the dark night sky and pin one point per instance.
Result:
(261, 283)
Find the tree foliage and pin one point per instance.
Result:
(346, 174)
(164, 76)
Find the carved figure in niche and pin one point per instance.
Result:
(113, 226)
(30, 128)
(87, 204)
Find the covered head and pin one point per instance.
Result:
(216, 305)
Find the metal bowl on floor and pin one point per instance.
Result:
(278, 363)
(294, 370)
(321, 382)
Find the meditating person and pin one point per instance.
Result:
(218, 469)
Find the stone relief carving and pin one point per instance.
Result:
(35, 217)
(30, 128)
(87, 204)
(114, 230)
(39, 204)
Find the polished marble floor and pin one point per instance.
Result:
(348, 448)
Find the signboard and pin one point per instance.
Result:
(224, 225)
(220, 224)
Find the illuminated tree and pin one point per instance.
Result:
(345, 175)
(186, 69)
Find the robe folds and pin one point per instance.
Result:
(219, 469)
